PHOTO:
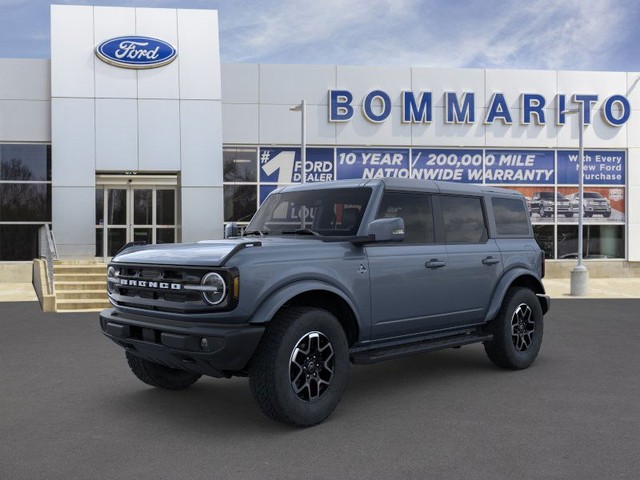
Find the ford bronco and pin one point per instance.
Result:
(329, 274)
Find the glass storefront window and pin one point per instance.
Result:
(99, 241)
(546, 177)
(142, 206)
(117, 206)
(116, 239)
(25, 163)
(99, 206)
(25, 202)
(18, 242)
(239, 164)
(165, 235)
(165, 207)
(599, 241)
(239, 202)
(546, 239)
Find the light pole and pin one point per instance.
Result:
(302, 107)
(580, 274)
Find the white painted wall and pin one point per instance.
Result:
(109, 119)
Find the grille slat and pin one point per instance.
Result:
(156, 298)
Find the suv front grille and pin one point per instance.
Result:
(156, 288)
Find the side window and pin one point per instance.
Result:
(415, 210)
(463, 219)
(511, 216)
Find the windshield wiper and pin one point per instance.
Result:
(255, 232)
(302, 231)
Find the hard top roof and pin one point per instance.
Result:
(406, 184)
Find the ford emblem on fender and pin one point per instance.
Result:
(136, 52)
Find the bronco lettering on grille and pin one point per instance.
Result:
(148, 284)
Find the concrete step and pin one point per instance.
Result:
(81, 294)
(65, 305)
(62, 286)
(79, 269)
(79, 277)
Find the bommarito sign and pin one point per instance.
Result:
(459, 108)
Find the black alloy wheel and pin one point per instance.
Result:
(311, 366)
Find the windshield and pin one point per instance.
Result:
(327, 212)
(592, 195)
(549, 196)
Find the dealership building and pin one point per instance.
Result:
(134, 131)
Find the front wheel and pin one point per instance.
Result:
(300, 368)
(160, 376)
(517, 330)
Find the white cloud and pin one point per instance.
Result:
(548, 34)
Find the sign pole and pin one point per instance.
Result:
(580, 274)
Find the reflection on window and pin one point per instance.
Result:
(239, 202)
(415, 210)
(599, 241)
(142, 206)
(18, 242)
(165, 207)
(511, 216)
(239, 164)
(25, 163)
(336, 211)
(545, 238)
(463, 219)
(25, 202)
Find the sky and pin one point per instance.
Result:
(531, 34)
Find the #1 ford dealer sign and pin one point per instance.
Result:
(136, 52)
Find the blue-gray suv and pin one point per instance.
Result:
(330, 274)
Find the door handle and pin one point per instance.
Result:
(435, 263)
(490, 260)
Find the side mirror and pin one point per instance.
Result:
(386, 230)
(231, 230)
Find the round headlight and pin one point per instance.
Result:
(111, 279)
(215, 289)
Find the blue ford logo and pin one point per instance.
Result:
(136, 52)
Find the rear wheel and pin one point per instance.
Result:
(300, 369)
(517, 330)
(160, 376)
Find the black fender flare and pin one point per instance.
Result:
(507, 280)
(274, 302)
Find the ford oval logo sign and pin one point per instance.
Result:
(136, 52)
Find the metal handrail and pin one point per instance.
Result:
(49, 251)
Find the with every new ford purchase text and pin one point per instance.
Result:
(324, 275)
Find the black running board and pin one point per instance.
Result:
(388, 353)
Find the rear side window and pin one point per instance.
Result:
(463, 219)
(415, 210)
(511, 216)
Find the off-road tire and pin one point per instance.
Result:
(606, 214)
(503, 350)
(160, 376)
(270, 367)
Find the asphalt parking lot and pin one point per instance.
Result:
(70, 408)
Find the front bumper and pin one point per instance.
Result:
(545, 302)
(215, 350)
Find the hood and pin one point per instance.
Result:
(210, 253)
(213, 253)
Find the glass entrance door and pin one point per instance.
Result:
(133, 213)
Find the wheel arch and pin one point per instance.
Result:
(313, 294)
(517, 277)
